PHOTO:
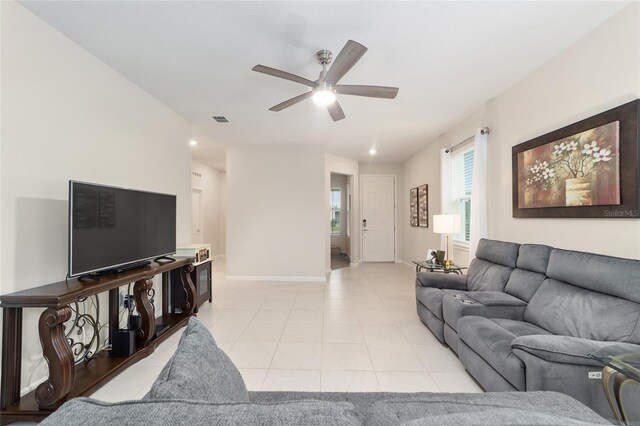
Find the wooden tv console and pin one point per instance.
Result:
(69, 378)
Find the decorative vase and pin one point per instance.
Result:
(579, 191)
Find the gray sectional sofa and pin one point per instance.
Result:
(200, 385)
(526, 317)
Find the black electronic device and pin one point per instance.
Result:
(112, 229)
(124, 343)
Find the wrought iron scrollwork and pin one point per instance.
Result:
(82, 330)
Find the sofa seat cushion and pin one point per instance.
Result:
(491, 340)
(199, 370)
(431, 298)
(169, 412)
(488, 304)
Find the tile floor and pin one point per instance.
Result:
(357, 332)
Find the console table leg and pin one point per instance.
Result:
(187, 284)
(59, 357)
(145, 309)
(11, 356)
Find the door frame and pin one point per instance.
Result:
(350, 213)
(395, 213)
(200, 213)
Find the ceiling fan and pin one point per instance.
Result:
(324, 89)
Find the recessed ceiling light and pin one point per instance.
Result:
(372, 151)
(193, 143)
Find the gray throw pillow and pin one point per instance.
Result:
(199, 370)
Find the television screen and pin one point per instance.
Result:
(110, 228)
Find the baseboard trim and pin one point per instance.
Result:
(354, 264)
(407, 264)
(274, 278)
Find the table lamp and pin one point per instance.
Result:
(446, 224)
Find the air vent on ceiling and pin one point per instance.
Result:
(220, 118)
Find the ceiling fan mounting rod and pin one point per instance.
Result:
(324, 57)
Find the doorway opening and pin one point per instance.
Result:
(341, 220)
(196, 215)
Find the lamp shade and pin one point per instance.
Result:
(446, 223)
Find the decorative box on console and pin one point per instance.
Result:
(202, 252)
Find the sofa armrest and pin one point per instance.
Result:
(443, 281)
(488, 304)
(567, 350)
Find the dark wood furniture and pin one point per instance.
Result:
(201, 278)
(66, 378)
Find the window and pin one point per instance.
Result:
(461, 180)
(335, 201)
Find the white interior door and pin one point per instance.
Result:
(378, 219)
(196, 215)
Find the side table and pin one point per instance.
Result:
(620, 369)
(434, 267)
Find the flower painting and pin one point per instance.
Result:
(579, 170)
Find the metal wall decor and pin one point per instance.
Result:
(413, 206)
(423, 206)
(588, 169)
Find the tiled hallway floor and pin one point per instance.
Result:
(357, 332)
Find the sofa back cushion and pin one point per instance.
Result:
(589, 296)
(82, 411)
(530, 272)
(491, 268)
(604, 274)
(199, 370)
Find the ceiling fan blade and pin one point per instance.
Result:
(283, 74)
(346, 59)
(335, 111)
(290, 102)
(368, 91)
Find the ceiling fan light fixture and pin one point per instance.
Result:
(324, 97)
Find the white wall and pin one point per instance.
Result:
(66, 115)
(276, 212)
(600, 71)
(222, 232)
(345, 166)
(422, 167)
(341, 240)
(211, 182)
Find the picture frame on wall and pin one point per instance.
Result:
(588, 169)
(413, 206)
(423, 206)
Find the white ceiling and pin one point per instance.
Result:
(447, 58)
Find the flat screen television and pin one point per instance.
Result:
(113, 229)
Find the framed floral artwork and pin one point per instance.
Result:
(587, 169)
(413, 206)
